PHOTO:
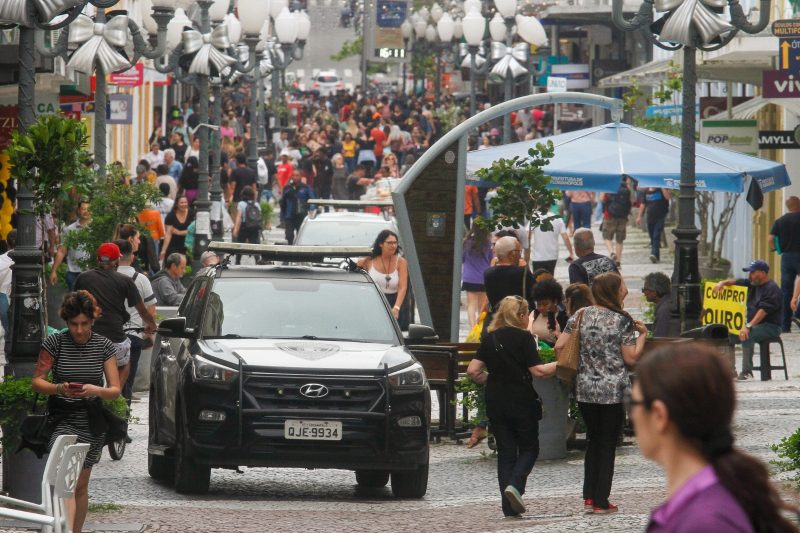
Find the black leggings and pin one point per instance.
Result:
(603, 426)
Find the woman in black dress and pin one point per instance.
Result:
(80, 361)
(506, 361)
(176, 225)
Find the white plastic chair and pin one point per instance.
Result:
(66, 478)
(48, 480)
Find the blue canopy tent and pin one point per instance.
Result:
(595, 159)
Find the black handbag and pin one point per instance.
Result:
(36, 430)
(116, 427)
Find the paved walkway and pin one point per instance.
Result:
(462, 492)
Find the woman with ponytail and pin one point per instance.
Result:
(682, 408)
(608, 345)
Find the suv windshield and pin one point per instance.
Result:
(357, 233)
(298, 308)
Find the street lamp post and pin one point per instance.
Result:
(288, 48)
(701, 28)
(474, 29)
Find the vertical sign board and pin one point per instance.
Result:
(729, 307)
(737, 135)
(788, 33)
(384, 36)
(431, 202)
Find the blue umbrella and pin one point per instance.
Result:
(595, 159)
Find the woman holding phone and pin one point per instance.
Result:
(80, 361)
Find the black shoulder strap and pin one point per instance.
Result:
(135, 275)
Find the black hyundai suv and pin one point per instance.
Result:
(288, 366)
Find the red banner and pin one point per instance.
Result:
(133, 77)
(8, 123)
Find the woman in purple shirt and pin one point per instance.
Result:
(477, 257)
(682, 408)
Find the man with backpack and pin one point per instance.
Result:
(617, 208)
(247, 226)
(294, 204)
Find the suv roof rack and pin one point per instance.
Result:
(351, 203)
(289, 253)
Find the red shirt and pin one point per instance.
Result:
(379, 137)
(283, 173)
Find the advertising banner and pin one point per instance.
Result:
(729, 307)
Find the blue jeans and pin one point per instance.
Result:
(136, 353)
(582, 215)
(266, 194)
(71, 277)
(655, 229)
(790, 269)
(517, 435)
(760, 332)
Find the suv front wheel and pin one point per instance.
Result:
(410, 484)
(190, 477)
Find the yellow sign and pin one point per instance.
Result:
(6, 206)
(729, 307)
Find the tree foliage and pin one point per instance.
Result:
(349, 49)
(523, 199)
(113, 202)
(56, 147)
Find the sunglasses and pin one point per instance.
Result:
(629, 403)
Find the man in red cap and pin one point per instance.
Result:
(111, 290)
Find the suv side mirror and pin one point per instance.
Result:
(173, 327)
(421, 333)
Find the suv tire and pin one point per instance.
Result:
(160, 467)
(190, 477)
(372, 479)
(410, 484)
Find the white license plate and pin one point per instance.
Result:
(312, 430)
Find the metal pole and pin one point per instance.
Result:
(262, 132)
(100, 103)
(686, 276)
(202, 224)
(405, 61)
(473, 51)
(252, 145)
(438, 83)
(27, 321)
(509, 81)
(217, 229)
(366, 26)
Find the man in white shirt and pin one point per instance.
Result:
(263, 175)
(545, 246)
(155, 156)
(132, 327)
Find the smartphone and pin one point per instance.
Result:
(75, 386)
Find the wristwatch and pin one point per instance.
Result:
(748, 326)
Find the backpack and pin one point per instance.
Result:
(620, 204)
(252, 216)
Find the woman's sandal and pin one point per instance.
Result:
(478, 434)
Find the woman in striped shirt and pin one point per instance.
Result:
(79, 360)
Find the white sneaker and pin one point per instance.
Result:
(514, 499)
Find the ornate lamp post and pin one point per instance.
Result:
(474, 29)
(289, 47)
(445, 28)
(692, 25)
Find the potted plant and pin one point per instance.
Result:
(555, 426)
(22, 470)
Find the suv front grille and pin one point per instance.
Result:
(276, 392)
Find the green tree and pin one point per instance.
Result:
(523, 199)
(56, 147)
(113, 202)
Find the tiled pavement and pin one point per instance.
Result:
(462, 492)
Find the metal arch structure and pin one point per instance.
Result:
(457, 138)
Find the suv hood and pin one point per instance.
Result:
(299, 353)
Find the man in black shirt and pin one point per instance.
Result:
(242, 176)
(111, 290)
(506, 278)
(785, 239)
(588, 264)
(357, 182)
(657, 288)
(764, 311)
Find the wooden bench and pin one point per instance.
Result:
(445, 364)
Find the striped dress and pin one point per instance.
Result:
(79, 363)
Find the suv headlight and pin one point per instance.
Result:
(205, 370)
(413, 376)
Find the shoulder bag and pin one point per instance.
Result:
(37, 428)
(567, 357)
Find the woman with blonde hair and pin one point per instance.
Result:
(506, 362)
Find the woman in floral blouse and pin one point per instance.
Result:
(608, 343)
